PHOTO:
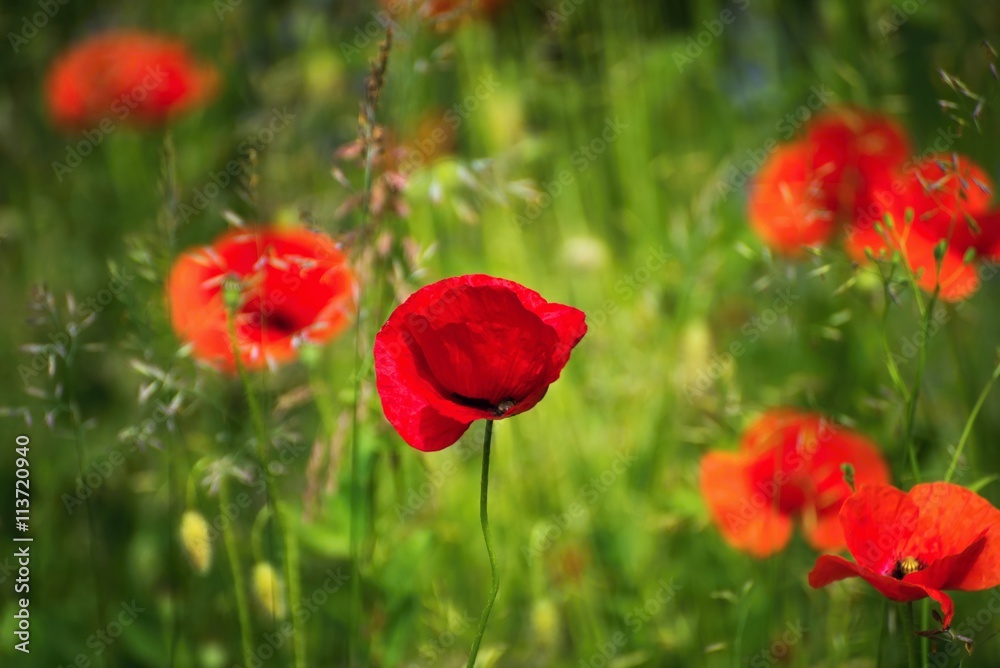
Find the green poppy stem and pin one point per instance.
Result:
(484, 520)
(910, 634)
(239, 586)
(881, 633)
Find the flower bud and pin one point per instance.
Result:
(269, 590)
(196, 541)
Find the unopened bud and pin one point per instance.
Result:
(269, 590)
(196, 542)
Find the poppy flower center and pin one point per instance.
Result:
(498, 410)
(277, 322)
(905, 566)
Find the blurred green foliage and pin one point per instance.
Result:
(594, 142)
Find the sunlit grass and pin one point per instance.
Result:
(599, 567)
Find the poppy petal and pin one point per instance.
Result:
(953, 518)
(296, 288)
(831, 568)
(791, 206)
(746, 518)
(876, 520)
(823, 531)
(413, 404)
(469, 348)
(955, 279)
(125, 76)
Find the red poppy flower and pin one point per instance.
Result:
(940, 198)
(807, 187)
(860, 149)
(295, 286)
(788, 466)
(913, 545)
(132, 77)
(469, 348)
(793, 204)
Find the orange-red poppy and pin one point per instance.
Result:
(806, 189)
(792, 203)
(913, 545)
(293, 287)
(128, 77)
(788, 468)
(942, 198)
(860, 148)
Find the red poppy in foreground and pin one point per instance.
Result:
(788, 467)
(130, 76)
(809, 187)
(469, 348)
(942, 198)
(913, 545)
(294, 287)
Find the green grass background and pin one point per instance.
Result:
(655, 328)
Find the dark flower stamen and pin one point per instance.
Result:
(504, 406)
(484, 404)
(905, 566)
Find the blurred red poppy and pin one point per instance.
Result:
(942, 198)
(294, 287)
(129, 76)
(913, 545)
(788, 466)
(807, 188)
(469, 348)
(793, 205)
(860, 149)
